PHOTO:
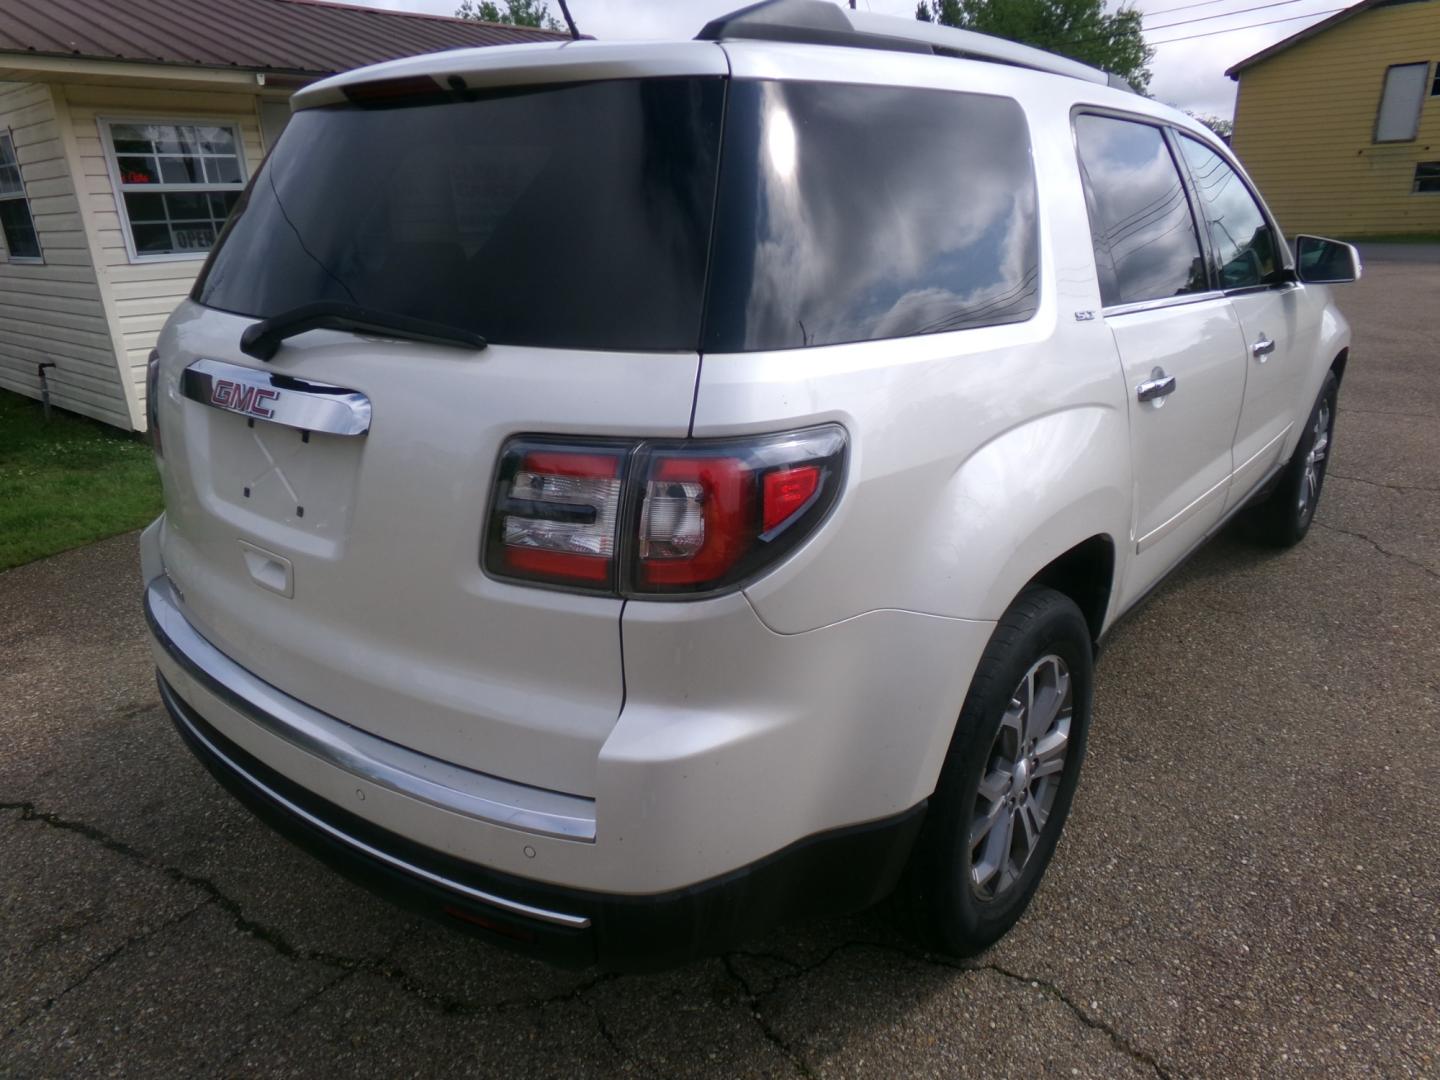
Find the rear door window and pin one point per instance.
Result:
(574, 215)
(1146, 243)
(851, 213)
(1243, 242)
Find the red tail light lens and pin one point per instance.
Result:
(786, 493)
(555, 514)
(689, 517)
(693, 524)
(385, 91)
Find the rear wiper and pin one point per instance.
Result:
(262, 339)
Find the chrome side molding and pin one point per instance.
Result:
(276, 399)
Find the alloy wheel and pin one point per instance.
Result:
(1022, 777)
(1315, 460)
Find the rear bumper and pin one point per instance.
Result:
(751, 777)
(834, 872)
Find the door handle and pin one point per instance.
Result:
(1158, 386)
(1262, 348)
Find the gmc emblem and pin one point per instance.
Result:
(240, 398)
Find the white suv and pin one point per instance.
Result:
(620, 496)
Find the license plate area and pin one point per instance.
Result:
(302, 480)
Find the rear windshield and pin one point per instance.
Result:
(581, 215)
(575, 215)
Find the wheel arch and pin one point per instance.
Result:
(1338, 364)
(1086, 574)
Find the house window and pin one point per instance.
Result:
(21, 240)
(177, 184)
(1435, 86)
(1400, 101)
(1427, 176)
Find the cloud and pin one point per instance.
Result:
(1189, 74)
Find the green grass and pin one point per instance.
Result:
(67, 482)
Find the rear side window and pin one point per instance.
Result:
(573, 215)
(851, 213)
(1240, 237)
(1146, 243)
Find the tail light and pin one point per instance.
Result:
(688, 517)
(152, 401)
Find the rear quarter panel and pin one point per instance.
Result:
(976, 456)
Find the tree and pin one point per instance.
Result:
(1080, 29)
(515, 13)
(1218, 124)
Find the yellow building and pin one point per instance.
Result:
(1340, 123)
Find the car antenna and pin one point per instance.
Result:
(565, 10)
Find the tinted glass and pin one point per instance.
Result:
(1242, 240)
(1146, 244)
(849, 213)
(572, 215)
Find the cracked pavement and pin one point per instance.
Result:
(1249, 884)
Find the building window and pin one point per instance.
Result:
(21, 240)
(1427, 176)
(1399, 117)
(1435, 86)
(177, 184)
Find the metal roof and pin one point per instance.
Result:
(1302, 35)
(299, 36)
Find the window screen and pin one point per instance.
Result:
(1146, 244)
(1427, 176)
(1240, 238)
(21, 240)
(851, 213)
(1400, 101)
(178, 184)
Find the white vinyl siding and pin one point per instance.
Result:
(144, 292)
(51, 311)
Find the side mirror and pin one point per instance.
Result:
(1325, 262)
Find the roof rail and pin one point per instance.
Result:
(817, 22)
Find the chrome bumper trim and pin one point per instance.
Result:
(574, 922)
(404, 771)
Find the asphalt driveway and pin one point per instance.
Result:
(1249, 884)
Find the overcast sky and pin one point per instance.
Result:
(1190, 74)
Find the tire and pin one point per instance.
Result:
(957, 899)
(1284, 518)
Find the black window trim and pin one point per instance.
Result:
(1171, 134)
(23, 197)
